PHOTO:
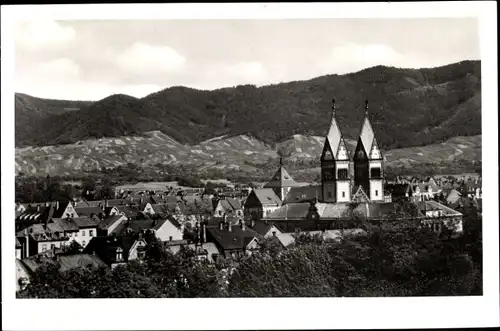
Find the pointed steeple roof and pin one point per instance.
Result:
(334, 135)
(281, 179)
(367, 135)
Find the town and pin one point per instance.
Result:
(232, 223)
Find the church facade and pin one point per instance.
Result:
(352, 188)
(337, 184)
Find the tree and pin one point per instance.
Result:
(73, 248)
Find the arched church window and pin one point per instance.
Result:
(375, 172)
(342, 174)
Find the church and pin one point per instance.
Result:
(352, 187)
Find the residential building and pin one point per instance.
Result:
(228, 206)
(26, 267)
(233, 241)
(118, 250)
(261, 202)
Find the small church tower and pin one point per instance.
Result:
(368, 162)
(281, 182)
(335, 179)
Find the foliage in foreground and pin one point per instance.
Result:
(406, 261)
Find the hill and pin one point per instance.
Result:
(224, 155)
(408, 107)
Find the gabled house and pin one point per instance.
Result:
(90, 211)
(265, 229)
(28, 266)
(166, 229)
(472, 188)
(36, 214)
(204, 251)
(109, 224)
(228, 206)
(79, 229)
(400, 191)
(114, 250)
(262, 202)
(38, 238)
(233, 241)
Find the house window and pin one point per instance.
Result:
(83, 243)
(52, 246)
(83, 232)
(170, 238)
(343, 194)
(76, 234)
(376, 193)
(91, 233)
(44, 247)
(220, 212)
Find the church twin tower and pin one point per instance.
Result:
(337, 184)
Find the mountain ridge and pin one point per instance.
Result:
(403, 104)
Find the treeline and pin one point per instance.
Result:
(400, 260)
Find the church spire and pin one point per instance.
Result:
(281, 161)
(333, 107)
(366, 108)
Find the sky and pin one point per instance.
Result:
(90, 60)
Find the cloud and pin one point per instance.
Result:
(247, 72)
(58, 69)
(224, 75)
(141, 59)
(35, 35)
(353, 57)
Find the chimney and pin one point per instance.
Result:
(57, 204)
(204, 233)
(46, 204)
(38, 208)
(367, 210)
(229, 227)
(243, 227)
(253, 223)
(140, 201)
(221, 225)
(27, 253)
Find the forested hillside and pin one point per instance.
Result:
(408, 107)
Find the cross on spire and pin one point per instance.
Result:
(333, 106)
(366, 107)
(281, 160)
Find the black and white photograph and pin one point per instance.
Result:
(255, 156)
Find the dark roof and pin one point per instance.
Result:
(128, 211)
(290, 210)
(87, 211)
(110, 220)
(66, 223)
(105, 247)
(303, 193)
(139, 224)
(234, 239)
(281, 179)
(266, 196)
(263, 227)
(398, 189)
(86, 222)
